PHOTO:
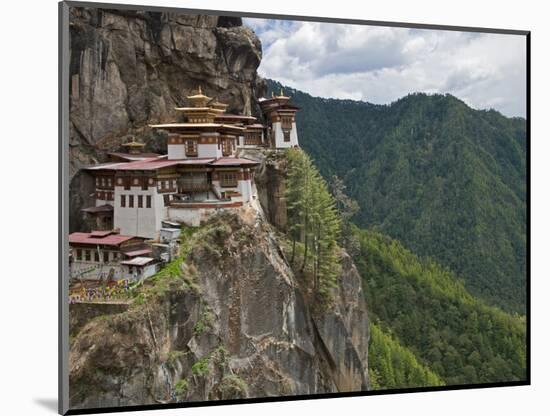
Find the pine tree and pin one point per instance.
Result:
(314, 221)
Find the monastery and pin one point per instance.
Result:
(139, 196)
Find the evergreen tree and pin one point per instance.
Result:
(314, 223)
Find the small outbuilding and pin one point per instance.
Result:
(140, 268)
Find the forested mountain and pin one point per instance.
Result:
(426, 329)
(446, 180)
(432, 316)
(392, 366)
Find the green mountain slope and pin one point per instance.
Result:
(429, 312)
(446, 180)
(392, 366)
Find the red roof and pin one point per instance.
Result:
(133, 156)
(158, 163)
(147, 164)
(100, 233)
(91, 239)
(196, 161)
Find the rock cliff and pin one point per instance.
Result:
(232, 321)
(129, 69)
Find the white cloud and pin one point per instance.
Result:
(382, 64)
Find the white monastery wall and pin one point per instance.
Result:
(176, 151)
(280, 139)
(142, 222)
(208, 150)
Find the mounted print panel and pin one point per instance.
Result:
(275, 208)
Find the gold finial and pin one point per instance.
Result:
(200, 91)
(133, 144)
(282, 93)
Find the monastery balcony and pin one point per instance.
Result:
(194, 187)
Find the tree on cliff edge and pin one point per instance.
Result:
(314, 223)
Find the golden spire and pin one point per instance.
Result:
(282, 93)
(133, 145)
(272, 94)
(199, 99)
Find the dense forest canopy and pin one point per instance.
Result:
(428, 310)
(446, 180)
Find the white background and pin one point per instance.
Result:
(28, 291)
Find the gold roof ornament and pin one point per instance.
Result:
(199, 99)
(218, 105)
(133, 145)
(282, 95)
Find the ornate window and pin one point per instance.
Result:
(226, 147)
(252, 138)
(229, 179)
(286, 122)
(148, 201)
(123, 201)
(191, 148)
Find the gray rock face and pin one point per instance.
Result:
(270, 181)
(129, 69)
(237, 324)
(234, 321)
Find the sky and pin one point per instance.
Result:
(382, 64)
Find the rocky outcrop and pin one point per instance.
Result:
(270, 182)
(129, 69)
(230, 319)
(233, 322)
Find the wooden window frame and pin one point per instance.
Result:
(148, 201)
(225, 183)
(123, 201)
(191, 148)
(226, 147)
(78, 254)
(140, 201)
(130, 201)
(87, 255)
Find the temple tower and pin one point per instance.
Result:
(281, 119)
